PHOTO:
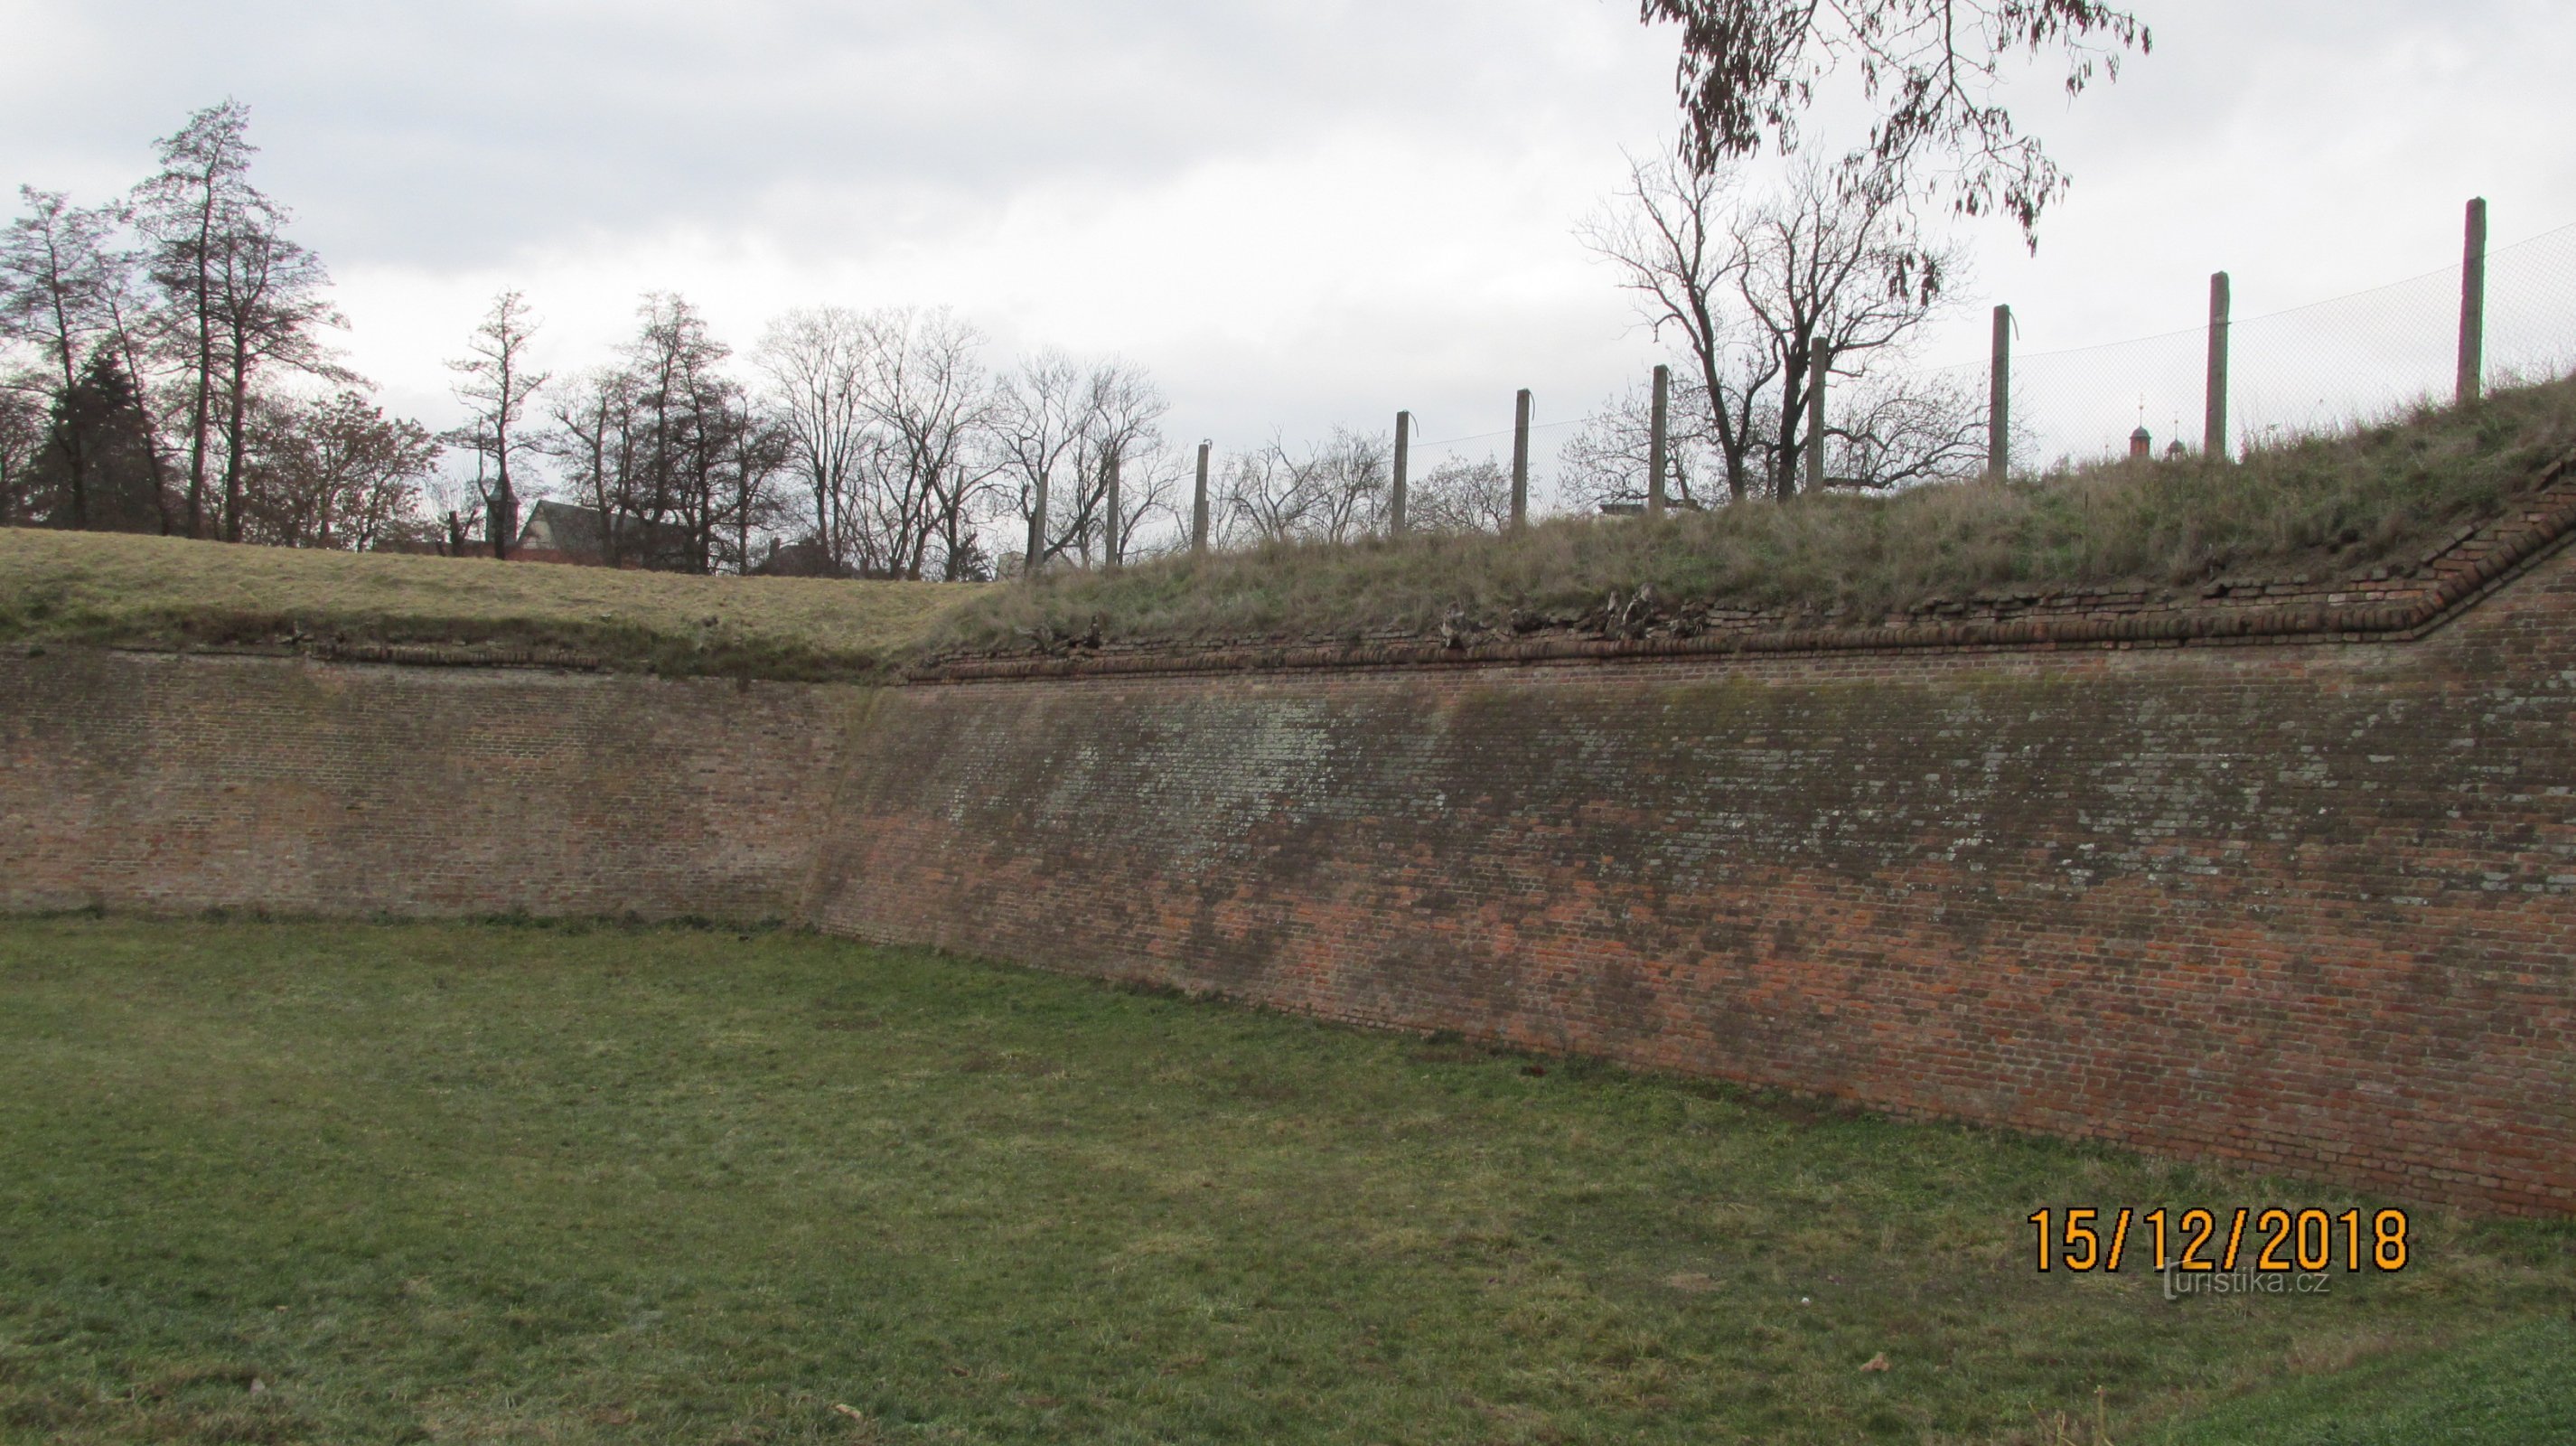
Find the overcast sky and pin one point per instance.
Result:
(1293, 212)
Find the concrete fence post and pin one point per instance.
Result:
(1659, 442)
(2213, 428)
(1403, 462)
(1109, 551)
(2473, 305)
(1037, 526)
(1199, 503)
(1999, 399)
(1520, 461)
(1819, 358)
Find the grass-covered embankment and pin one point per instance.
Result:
(104, 588)
(2338, 506)
(2515, 1386)
(2333, 507)
(462, 1183)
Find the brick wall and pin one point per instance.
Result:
(2301, 904)
(164, 783)
(2306, 906)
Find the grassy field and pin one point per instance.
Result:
(293, 1182)
(2517, 1386)
(107, 588)
(2330, 507)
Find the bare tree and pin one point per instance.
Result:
(761, 450)
(928, 395)
(497, 383)
(593, 440)
(1758, 289)
(1041, 420)
(138, 337)
(814, 361)
(334, 473)
(271, 307)
(1671, 244)
(682, 402)
(676, 465)
(1335, 491)
(189, 212)
(1461, 496)
(1126, 410)
(1258, 498)
(1606, 464)
(1893, 430)
(1928, 72)
(240, 298)
(57, 269)
(1150, 490)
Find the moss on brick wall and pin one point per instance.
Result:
(2311, 908)
(2302, 905)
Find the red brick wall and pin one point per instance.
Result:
(2310, 907)
(180, 783)
(2301, 905)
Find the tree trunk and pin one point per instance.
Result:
(240, 390)
(1793, 408)
(200, 413)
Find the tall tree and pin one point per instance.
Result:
(759, 450)
(1056, 425)
(680, 423)
(189, 212)
(57, 270)
(137, 337)
(272, 308)
(814, 363)
(1928, 72)
(593, 441)
(1127, 411)
(929, 396)
(496, 382)
(1041, 420)
(1757, 288)
(240, 299)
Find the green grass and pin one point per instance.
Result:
(2335, 506)
(77, 587)
(469, 1183)
(2515, 1388)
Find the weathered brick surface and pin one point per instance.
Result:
(2301, 905)
(2309, 907)
(181, 783)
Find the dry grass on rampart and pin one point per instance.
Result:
(2379, 495)
(2341, 506)
(104, 588)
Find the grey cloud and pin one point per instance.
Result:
(452, 134)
